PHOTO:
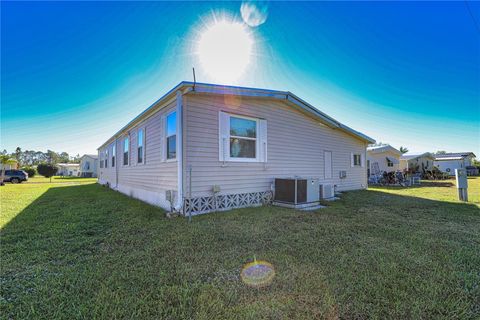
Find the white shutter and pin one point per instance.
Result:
(145, 145)
(327, 162)
(223, 135)
(351, 160)
(362, 160)
(163, 141)
(262, 138)
(130, 149)
(134, 145)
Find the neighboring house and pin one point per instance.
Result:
(88, 165)
(204, 147)
(448, 162)
(9, 166)
(417, 163)
(382, 158)
(68, 169)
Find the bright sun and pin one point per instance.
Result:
(224, 50)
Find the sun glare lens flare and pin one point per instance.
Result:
(257, 274)
(224, 50)
(254, 13)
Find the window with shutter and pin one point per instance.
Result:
(114, 153)
(106, 157)
(126, 146)
(171, 136)
(357, 160)
(242, 139)
(140, 147)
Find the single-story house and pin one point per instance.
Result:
(448, 162)
(88, 165)
(384, 158)
(418, 163)
(68, 169)
(205, 147)
(9, 166)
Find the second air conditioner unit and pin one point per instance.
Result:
(327, 191)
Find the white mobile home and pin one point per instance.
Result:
(68, 169)
(205, 147)
(384, 158)
(88, 165)
(418, 163)
(448, 162)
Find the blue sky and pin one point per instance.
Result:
(72, 74)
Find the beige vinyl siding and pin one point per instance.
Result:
(296, 145)
(381, 159)
(150, 179)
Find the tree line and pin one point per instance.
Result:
(34, 158)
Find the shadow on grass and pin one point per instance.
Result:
(59, 180)
(87, 251)
(440, 183)
(71, 177)
(424, 183)
(74, 208)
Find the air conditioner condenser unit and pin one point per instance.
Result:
(327, 191)
(296, 192)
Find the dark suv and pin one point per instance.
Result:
(15, 176)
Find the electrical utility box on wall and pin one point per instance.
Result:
(296, 191)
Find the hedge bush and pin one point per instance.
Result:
(30, 170)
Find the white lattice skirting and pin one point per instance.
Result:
(225, 202)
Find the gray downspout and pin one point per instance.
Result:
(116, 163)
(179, 204)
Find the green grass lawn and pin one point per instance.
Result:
(74, 249)
(58, 179)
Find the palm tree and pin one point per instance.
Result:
(403, 150)
(5, 160)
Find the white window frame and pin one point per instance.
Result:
(113, 161)
(101, 160)
(123, 151)
(359, 159)
(107, 158)
(167, 136)
(143, 146)
(390, 164)
(256, 139)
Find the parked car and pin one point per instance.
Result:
(15, 176)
